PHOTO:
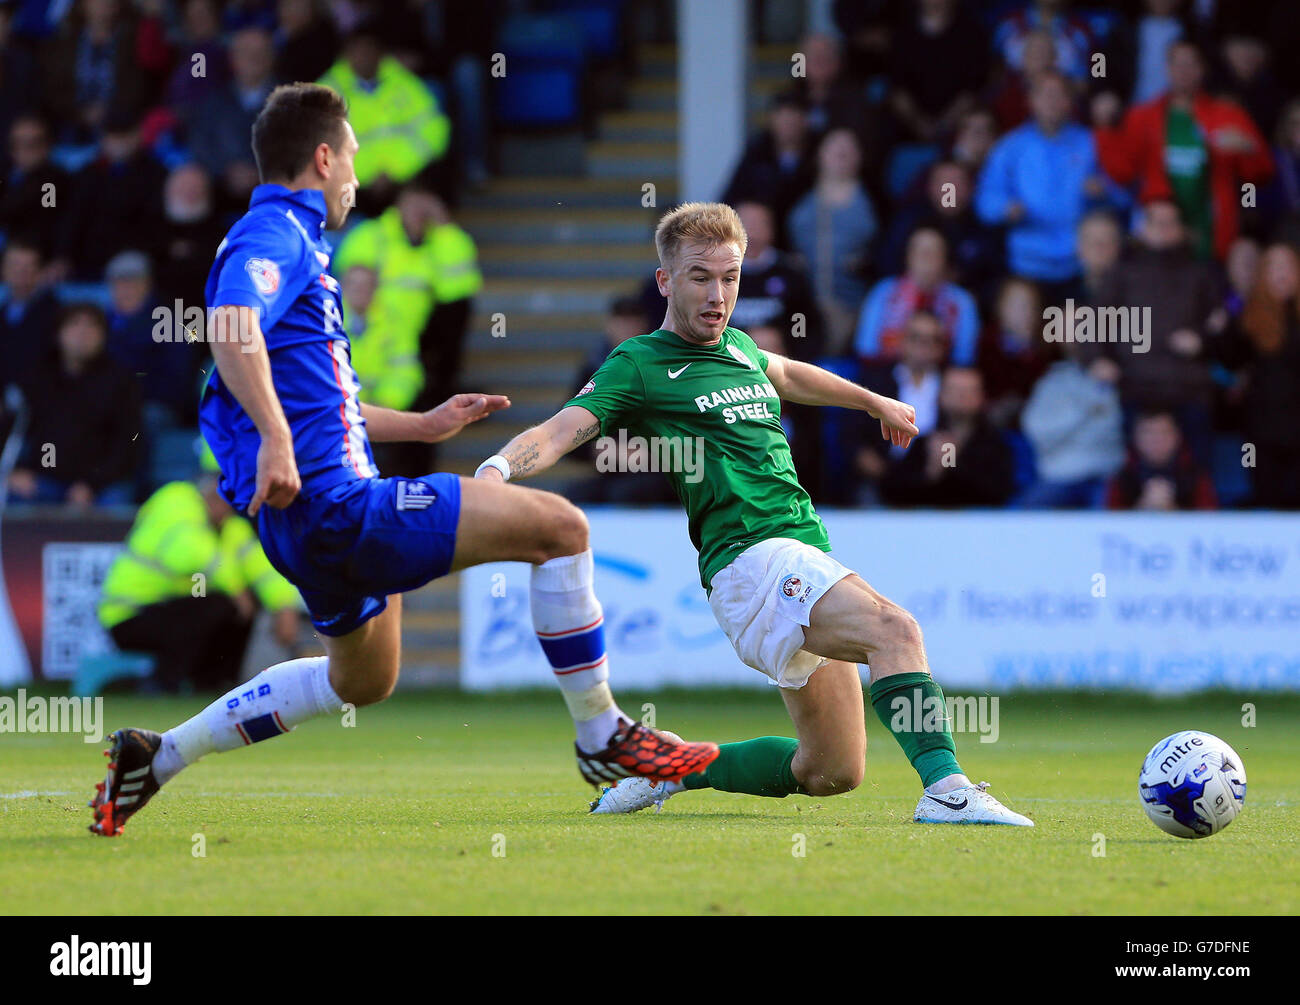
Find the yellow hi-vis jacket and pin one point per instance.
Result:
(385, 354)
(171, 542)
(456, 275)
(386, 351)
(399, 126)
(413, 279)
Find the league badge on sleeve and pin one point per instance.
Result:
(265, 275)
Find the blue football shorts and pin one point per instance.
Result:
(351, 546)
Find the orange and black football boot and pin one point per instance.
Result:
(130, 782)
(637, 750)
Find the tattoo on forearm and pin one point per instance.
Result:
(522, 459)
(585, 433)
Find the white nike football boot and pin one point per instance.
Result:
(633, 794)
(967, 805)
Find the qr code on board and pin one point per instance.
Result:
(73, 576)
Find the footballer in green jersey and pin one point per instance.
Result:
(706, 399)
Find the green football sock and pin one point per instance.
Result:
(912, 707)
(760, 767)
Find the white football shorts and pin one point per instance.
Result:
(763, 600)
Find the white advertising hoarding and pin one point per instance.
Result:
(1163, 602)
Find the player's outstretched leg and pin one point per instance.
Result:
(827, 759)
(359, 668)
(511, 523)
(829, 756)
(853, 622)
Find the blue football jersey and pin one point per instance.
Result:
(275, 261)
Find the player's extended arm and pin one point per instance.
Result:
(388, 425)
(239, 350)
(536, 449)
(806, 384)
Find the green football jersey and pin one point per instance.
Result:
(680, 397)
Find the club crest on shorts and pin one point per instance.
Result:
(794, 587)
(412, 495)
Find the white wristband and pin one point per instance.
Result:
(498, 462)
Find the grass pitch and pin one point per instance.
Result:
(444, 803)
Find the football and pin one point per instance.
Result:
(1192, 784)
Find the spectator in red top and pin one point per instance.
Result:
(1012, 355)
(1160, 473)
(1009, 93)
(1187, 147)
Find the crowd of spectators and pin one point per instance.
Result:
(964, 205)
(125, 156)
(948, 177)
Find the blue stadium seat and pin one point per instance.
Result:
(545, 60)
(96, 672)
(539, 97)
(599, 21)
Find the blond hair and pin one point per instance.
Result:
(713, 223)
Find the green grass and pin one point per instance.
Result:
(400, 814)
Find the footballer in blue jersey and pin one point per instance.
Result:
(287, 422)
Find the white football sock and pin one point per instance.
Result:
(273, 702)
(569, 624)
(948, 783)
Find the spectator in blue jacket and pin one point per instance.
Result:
(1039, 181)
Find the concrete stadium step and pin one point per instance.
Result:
(660, 94)
(431, 634)
(529, 398)
(656, 62)
(525, 335)
(527, 408)
(563, 224)
(644, 126)
(533, 296)
(433, 620)
(659, 62)
(430, 628)
(554, 192)
(546, 331)
(635, 159)
(560, 325)
(607, 268)
(440, 595)
(653, 94)
(773, 61)
(430, 666)
(521, 370)
(562, 261)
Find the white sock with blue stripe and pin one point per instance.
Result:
(570, 626)
(272, 703)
